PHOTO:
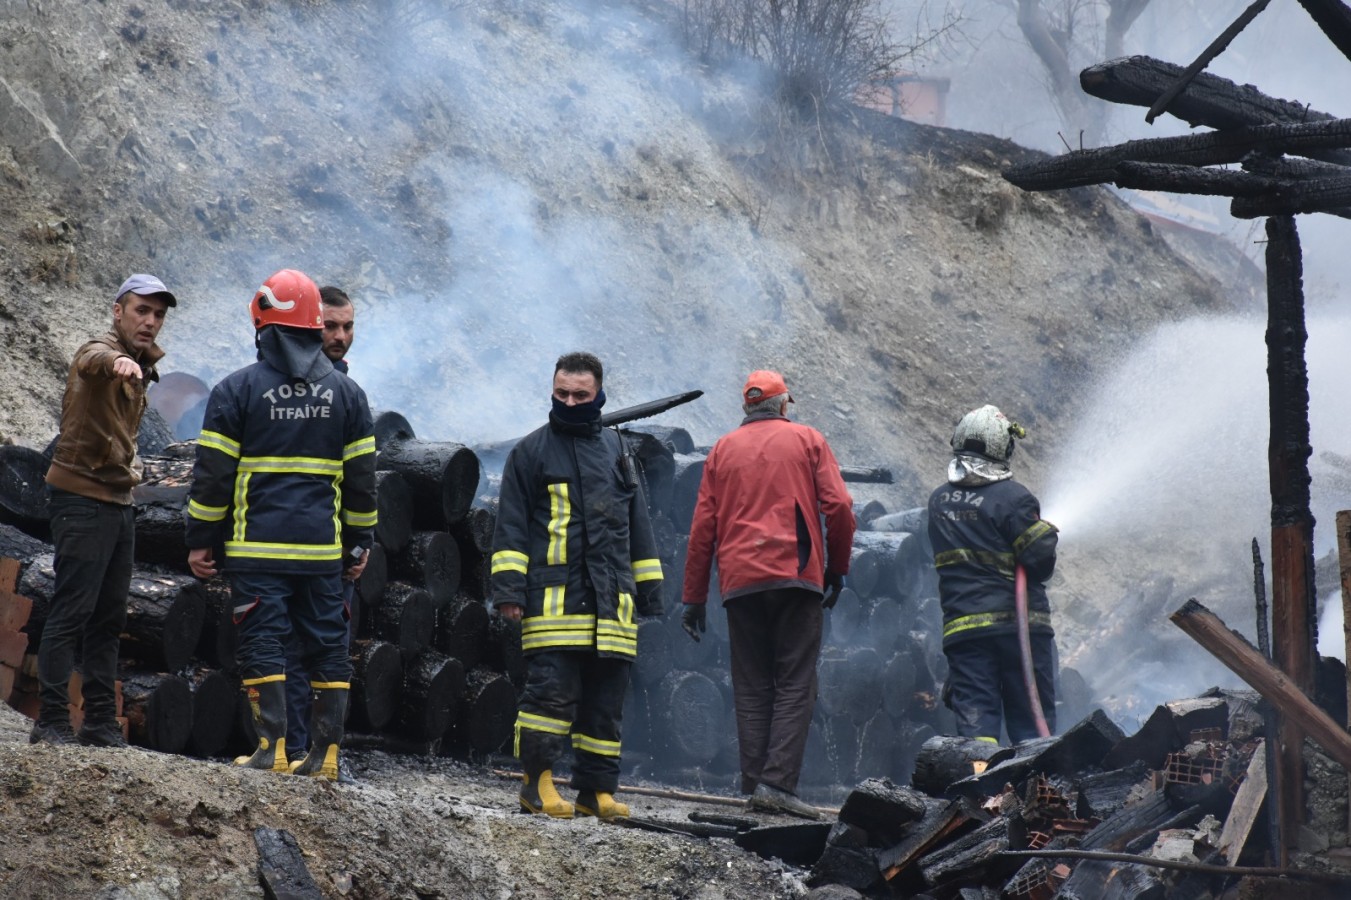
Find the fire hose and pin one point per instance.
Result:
(1025, 649)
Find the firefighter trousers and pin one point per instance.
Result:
(985, 679)
(573, 697)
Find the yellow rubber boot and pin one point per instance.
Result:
(601, 805)
(326, 730)
(267, 702)
(538, 795)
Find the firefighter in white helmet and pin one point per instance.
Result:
(983, 525)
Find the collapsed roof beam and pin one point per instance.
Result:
(1334, 17)
(1098, 166)
(1216, 47)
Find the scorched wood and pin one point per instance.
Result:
(405, 617)
(220, 636)
(394, 511)
(213, 699)
(431, 559)
(487, 711)
(975, 856)
(158, 709)
(23, 488)
(432, 685)
(377, 675)
(390, 427)
(462, 630)
(945, 759)
(444, 477)
(476, 528)
(691, 714)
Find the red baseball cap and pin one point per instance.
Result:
(763, 384)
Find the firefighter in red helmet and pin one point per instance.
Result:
(279, 439)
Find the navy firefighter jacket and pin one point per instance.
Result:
(979, 533)
(573, 543)
(285, 472)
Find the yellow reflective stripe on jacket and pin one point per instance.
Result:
(291, 465)
(359, 447)
(536, 722)
(617, 637)
(206, 513)
(646, 569)
(553, 601)
(540, 632)
(595, 745)
(217, 441)
(560, 513)
(1002, 563)
(261, 550)
(625, 609)
(986, 620)
(360, 519)
(241, 501)
(1035, 532)
(510, 561)
(264, 679)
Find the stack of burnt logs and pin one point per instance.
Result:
(434, 670)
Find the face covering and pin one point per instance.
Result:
(298, 352)
(581, 413)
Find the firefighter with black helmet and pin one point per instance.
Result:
(285, 481)
(984, 525)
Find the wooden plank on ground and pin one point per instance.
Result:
(1247, 804)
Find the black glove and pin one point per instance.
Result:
(834, 584)
(649, 599)
(694, 619)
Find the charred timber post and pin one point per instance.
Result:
(650, 408)
(1344, 564)
(1293, 616)
(1329, 195)
(867, 474)
(1334, 18)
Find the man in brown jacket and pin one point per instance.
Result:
(93, 470)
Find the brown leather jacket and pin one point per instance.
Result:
(100, 414)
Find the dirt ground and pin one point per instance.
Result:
(83, 822)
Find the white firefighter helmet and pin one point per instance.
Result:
(986, 432)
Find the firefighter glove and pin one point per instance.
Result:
(694, 619)
(834, 584)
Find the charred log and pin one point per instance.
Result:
(476, 528)
(212, 692)
(487, 712)
(444, 477)
(394, 510)
(504, 649)
(377, 674)
(1331, 195)
(23, 489)
(944, 760)
(432, 685)
(692, 716)
(462, 630)
(390, 428)
(374, 579)
(431, 559)
(405, 618)
(158, 709)
(654, 650)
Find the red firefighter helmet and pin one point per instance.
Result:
(287, 298)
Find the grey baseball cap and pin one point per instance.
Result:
(145, 285)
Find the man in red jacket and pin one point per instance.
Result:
(765, 488)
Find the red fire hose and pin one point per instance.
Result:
(1025, 649)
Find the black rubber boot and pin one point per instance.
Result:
(326, 729)
(267, 702)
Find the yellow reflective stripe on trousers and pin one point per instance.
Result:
(560, 513)
(204, 513)
(217, 441)
(264, 679)
(510, 561)
(533, 722)
(359, 447)
(331, 685)
(986, 620)
(595, 745)
(1001, 562)
(1035, 532)
(646, 569)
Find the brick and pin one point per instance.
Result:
(9, 573)
(13, 644)
(14, 610)
(8, 674)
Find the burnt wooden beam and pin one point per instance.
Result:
(1209, 102)
(1334, 878)
(1232, 649)
(1294, 617)
(1330, 195)
(1098, 166)
(1334, 18)
(1248, 801)
(1216, 47)
(1150, 176)
(281, 866)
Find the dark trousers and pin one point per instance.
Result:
(573, 697)
(299, 695)
(775, 641)
(987, 690)
(94, 544)
(269, 606)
